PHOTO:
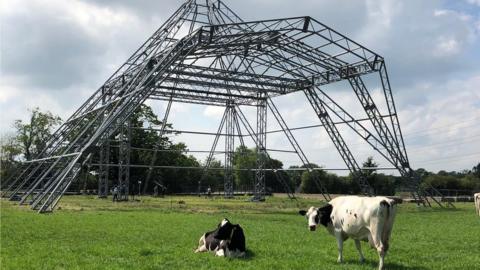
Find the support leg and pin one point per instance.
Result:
(202, 247)
(340, 247)
(378, 243)
(359, 248)
(259, 186)
(381, 254)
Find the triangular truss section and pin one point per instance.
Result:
(205, 54)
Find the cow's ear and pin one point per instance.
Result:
(302, 212)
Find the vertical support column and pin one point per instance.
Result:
(103, 169)
(259, 185)
(124, 161)
(229, 149)
(85, 180)
(104, 156)
(240, 116)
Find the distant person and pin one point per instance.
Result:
(209, 192)
(155, 191)
(115, 193)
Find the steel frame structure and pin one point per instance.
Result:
(206, 54)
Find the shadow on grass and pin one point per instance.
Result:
(388, 265)
(249, 255)
(146, 252)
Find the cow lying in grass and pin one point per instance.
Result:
(227, 240)
(360, 218)
(476, 198)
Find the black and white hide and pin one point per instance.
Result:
(368, 219)
(227, 240)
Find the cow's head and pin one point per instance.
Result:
(317, 216)
(224, 230)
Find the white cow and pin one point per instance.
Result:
(476, 197)
(360, 218)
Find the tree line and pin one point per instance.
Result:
(30, 136)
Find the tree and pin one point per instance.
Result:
(244, 158)
(271, 178)
(476, 170)
(214, 178)
(10, 148)
(422, 172)
(308, 184)
(177, 180)
(9, 151)
(143, 141)
(295, 176)
(33, 135)
(369, 163)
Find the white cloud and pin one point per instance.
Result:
(214, 111)
(446, 47)
(474, 2)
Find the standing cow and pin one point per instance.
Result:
(476, 197)
(360, 218)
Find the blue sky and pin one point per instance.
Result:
(54, 54)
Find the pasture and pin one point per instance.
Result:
(161, 233)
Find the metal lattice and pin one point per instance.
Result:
(205, 54)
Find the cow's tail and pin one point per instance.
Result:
(385, 206)
(388, 215)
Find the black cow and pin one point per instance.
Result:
(227, 240)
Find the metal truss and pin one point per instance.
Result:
(157, 146)
(206, 54)
(297, 149)
(338, 140)
(229, 149)
(251, 133)
(124, 138)
(104, 169)
(261, 148)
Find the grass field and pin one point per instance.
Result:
(161, 233)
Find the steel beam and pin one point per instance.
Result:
(261, 146)
(125, 137)
(319, 106)
(229, 149)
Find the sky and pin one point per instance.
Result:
(54, 54)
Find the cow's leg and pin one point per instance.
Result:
(376, 231)
(220, 252)
(359, 248)
(381, 254)
(202, 247)
(380, 247)
(340, 247)
(222, 249)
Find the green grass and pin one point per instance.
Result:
(89, 233)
